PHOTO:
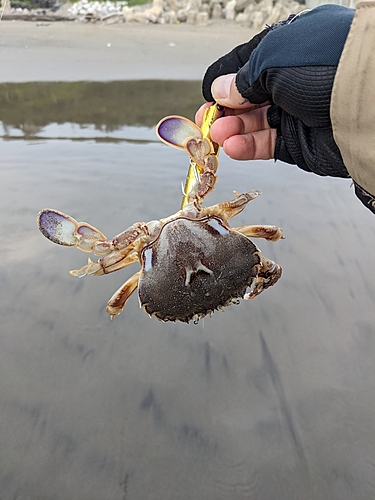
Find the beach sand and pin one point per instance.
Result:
(72, 51)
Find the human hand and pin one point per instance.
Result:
(279, 99)
(244, 132)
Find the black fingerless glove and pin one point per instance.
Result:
(230, 63)
(293, 65)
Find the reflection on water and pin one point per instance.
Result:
(272, 399)
(98, 110)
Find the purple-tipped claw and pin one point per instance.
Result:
(64, 230)
(58, 227)
(176, 130)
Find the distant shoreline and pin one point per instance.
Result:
(75, 51)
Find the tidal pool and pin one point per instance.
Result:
(273, 399)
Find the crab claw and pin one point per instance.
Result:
(64, 230)
(177, 130)
(199, 149)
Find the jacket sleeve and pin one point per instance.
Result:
(353, 105)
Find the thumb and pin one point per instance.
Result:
(225, 92)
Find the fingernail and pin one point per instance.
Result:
(221, 87)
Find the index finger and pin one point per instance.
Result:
(199, 114)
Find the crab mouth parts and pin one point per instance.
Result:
(191, 272)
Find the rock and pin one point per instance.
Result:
(230, 10)
(279, 12)
(182, 15)
(95, 10)
(251, 13)
(206, 9)
(139, 17)
(265, 6)
(114, 19)
(257, 20)
(248, 17)
(171, 5)
(156, 10)
(128, 14)
(242, 18)
(170, 17)
(193, 5)
(202, 19)
(217, 11)
(191, 17)
(242, 4)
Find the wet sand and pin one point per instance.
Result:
(72, 51)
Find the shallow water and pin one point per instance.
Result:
(273, 399)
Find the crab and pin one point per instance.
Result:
(192, 262)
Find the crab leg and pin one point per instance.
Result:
(118, 300)
(64, 230)
(270, 233)
(118, 259)
(268, 275)
(122, 251)
(204, 183)
(106, 265)
(229, 209)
